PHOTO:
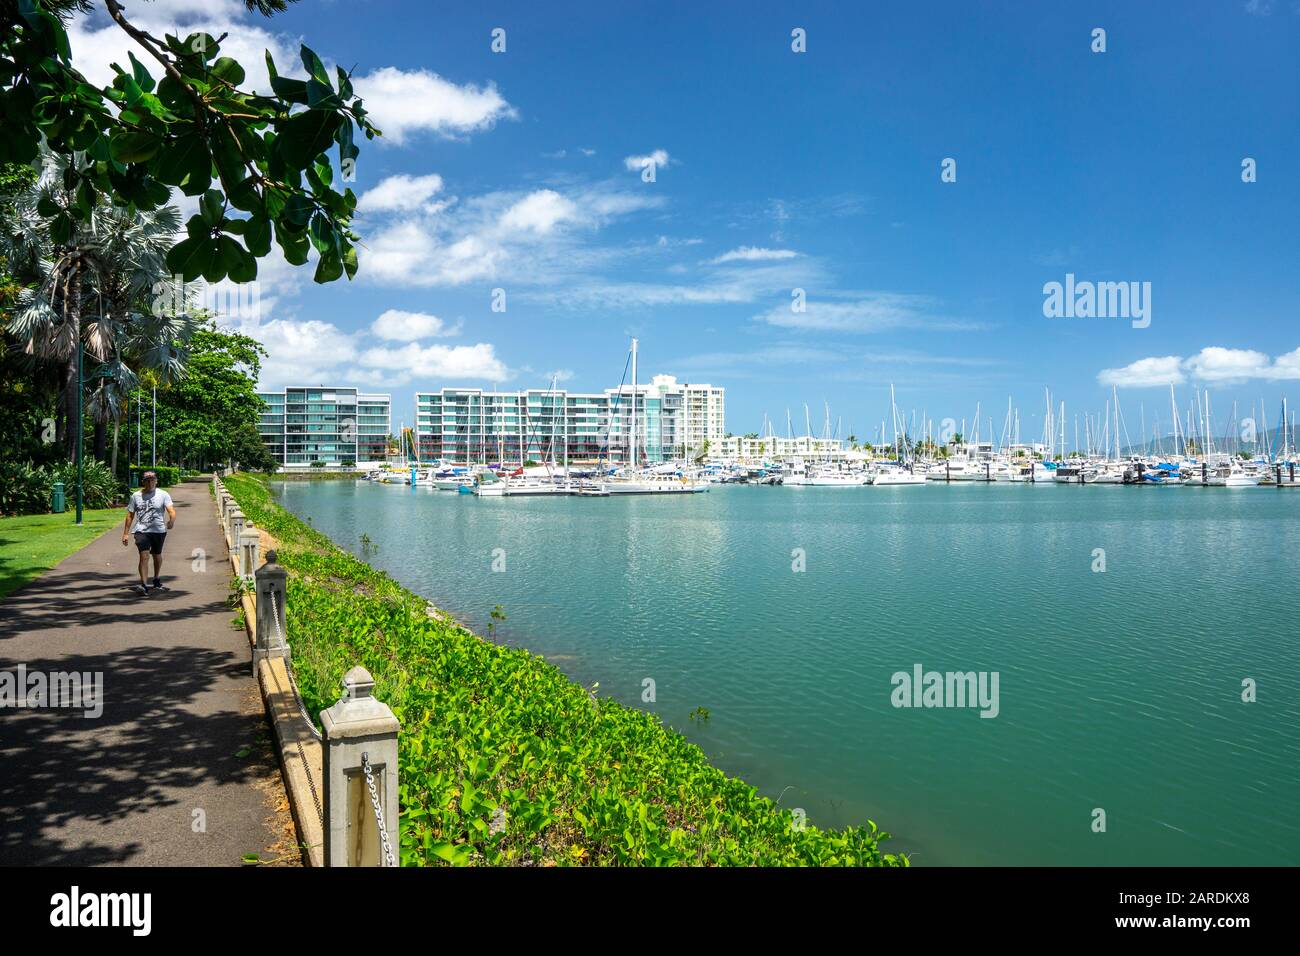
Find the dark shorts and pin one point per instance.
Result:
(151, 541)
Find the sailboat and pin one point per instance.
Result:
(634, 480)
(900, 473)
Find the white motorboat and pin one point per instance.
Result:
(653, 485)
(836, 479)
(888, 477)
(452, 484)
(958, 469)
(1231, 475)
(1036, 473)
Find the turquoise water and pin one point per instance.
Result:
(1119, 690)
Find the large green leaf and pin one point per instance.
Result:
(229, 70)
(257, 235)
(192, 257)
(294, 245)
(289, 89)
(132, 147)
(186, 157)
(238, 261)
(142, 77)
(212, 207)
(305, 135)
(315, 68)
(329, 268)
(245, 196)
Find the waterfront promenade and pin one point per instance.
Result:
(179, 768)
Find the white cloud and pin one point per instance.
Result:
(719, 285)
(405, 102)
(659, 158)
(304, 353)
(1212, 365)
(560, 375)
(398, 326)
(1145, 373)
(1287, 365)
(538, 212)
(458, 363)
(871, 313)
(1216, 364)
(401, 103)
(97, 42)
(398, 193)
(754, 254)
(540, 237)
(781, 355)
(314, 352)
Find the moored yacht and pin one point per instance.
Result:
(1231, 475)
(894, 476)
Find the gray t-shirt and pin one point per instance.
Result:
(150, 510)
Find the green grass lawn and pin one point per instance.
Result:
(32, 544)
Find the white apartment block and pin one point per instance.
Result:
(743, 448)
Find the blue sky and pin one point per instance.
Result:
(817, 170)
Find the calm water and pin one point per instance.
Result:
(1119, 690)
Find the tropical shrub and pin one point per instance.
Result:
(24, 489)
(503, 759)
(99, 487)
(168, 475)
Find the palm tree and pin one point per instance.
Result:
(90, 285)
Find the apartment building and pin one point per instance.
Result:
(672, 420)
(769, 447)
(333, 425)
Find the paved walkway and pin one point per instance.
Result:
(182, 728)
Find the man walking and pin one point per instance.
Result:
(150, 514)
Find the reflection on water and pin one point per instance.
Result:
(1119, 690)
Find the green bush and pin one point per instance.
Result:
(168, 475)
(318, 463)
(99, 487)
(25, 489)
(505, 761)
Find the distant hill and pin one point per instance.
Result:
(1266, 441)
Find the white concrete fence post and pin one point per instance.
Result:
(269, 635)
(250, 543)
(236, 529)
(360, 734)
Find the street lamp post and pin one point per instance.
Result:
(81, 412)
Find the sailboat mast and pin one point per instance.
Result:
(893, 414)
(631, 445)
(1114, 394)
